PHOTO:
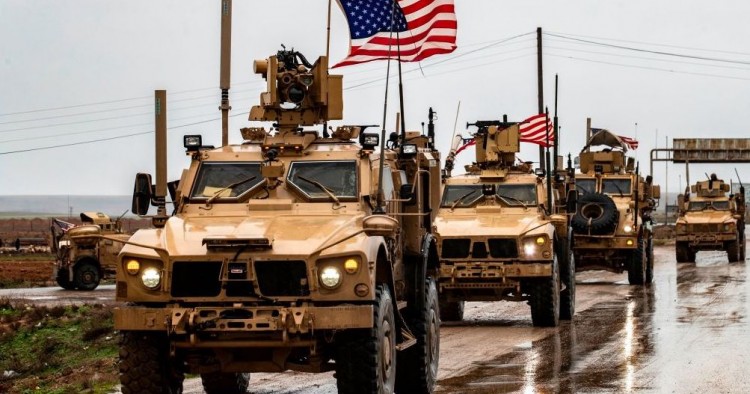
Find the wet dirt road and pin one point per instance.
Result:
(687, 333)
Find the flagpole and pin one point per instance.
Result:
(328, 31)
(556, 131)
(548, 168)
(400, 85)
(540, 85)
(380, 209)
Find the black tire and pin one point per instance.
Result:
(63, 281)
(145, 365)
(682, 252)
(596, 214)
(418, 365)
(650, 260)
(451, 310)
(733, 251)
(568, 280)
(638, 263)
(366, 359)
(545, 299)
(225, 383)
(86, 276)
(743, 246)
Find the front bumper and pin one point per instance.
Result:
(605, 242)
(484, 274)
(707, 239)
(270, 325)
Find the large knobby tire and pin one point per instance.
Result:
(544, 298)
(568, 280)
(681, 251)
(63, 280)
(451, 310)
(86, 275)
(596, 214)
(145, 365)
(225, 383)
(650, 259)
(743, 246)
(638, 263)
(733, 251)
(418, 365)
(366, 359)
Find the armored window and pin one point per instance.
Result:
(585, 186)
(517, 194)
(720, 205)
(697, 205)
(461, 196)
(316, 179)
(229, 181)
(616, 186)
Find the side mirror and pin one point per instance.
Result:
(655, 192)
(379, 225)
(406, 193)
(141, 194)
(571, 201)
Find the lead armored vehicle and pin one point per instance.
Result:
(612, 222)
(82, 263)
(498, 237)
(294, 250)
(710, 218)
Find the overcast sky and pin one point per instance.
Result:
(83, 70)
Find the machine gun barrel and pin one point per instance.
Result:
(483, 124)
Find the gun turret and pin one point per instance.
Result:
(497, 143)
(298, 93)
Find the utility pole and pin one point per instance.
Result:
(226, 60)
(541, 86)
(666, 182)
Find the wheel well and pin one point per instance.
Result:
(383, 269)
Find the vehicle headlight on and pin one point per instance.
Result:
(151, 277)
(330, 277)
(351, 266)
(132, 266)
(628, 228)
(529, 248)
(541, 241)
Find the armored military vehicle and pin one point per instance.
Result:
(710, 219)
(498, 236)
(294, 250)
(612, 222)
(82, 262)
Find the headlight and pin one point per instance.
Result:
(151, 277)
(628, 228)
(330, 277)
(351, 266)
(541, 241)
(529, 249)
(132, 266)
(681, 229)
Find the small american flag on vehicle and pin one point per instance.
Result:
(416, 28)
(533, 130)
(64, 226)
(632, 143)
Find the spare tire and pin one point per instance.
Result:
(596, 214)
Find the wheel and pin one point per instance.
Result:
(567, 279)
(682, 252)
(545, 299)
(86, 276)
(596, 214)
(638, 262)
(145, 365)
(743, 246)
(225, 383)
(451, 310)
(650, 260)
(418, 365)
(733, 251)
(63, 281)
(366, 359)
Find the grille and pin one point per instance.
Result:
(503, 248)
(456, 248)
(479, 251)
(705, 228)
(282, 278)
(196, 279)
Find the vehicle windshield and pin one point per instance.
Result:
(314, 178)
(585, 186)
(702, 205)
(226, 181)
(616, 186)
(514, 195)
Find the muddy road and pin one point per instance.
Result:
(687, 333)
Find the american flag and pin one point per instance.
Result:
(420, 29)
(533, 130)
(64, 226)
(466, 143)
(632, 143)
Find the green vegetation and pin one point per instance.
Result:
(57, 350)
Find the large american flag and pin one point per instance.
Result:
(421, 28)
(533, 130)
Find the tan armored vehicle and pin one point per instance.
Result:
(497, 236)
(82, 263)
(710, 219)
(291, 251)
(612, 222)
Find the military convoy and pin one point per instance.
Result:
(82, 261)
(710, 218)
(289, 251)
(498, 235)
(612, 226)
